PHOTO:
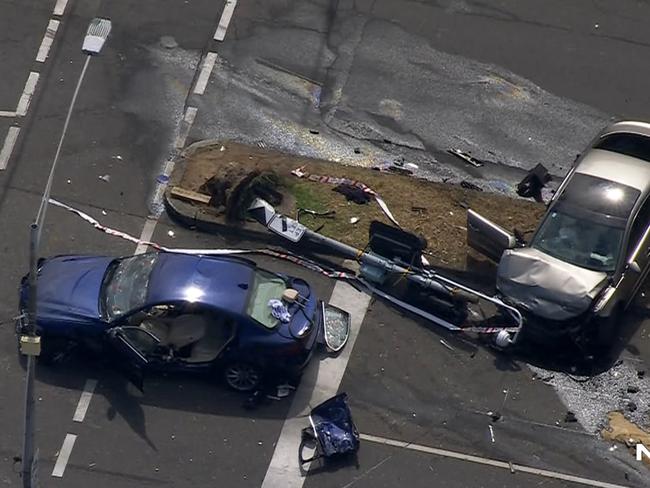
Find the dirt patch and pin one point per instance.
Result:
(434, 210)
(625, 432)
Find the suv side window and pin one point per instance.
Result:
(639, 226)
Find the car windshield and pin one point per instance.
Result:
(266, 286)
(125, 285)
(588, 244)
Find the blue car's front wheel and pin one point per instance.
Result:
(242, 376)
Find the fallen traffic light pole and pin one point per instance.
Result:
(386, 258)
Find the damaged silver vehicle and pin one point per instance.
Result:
(590, 254)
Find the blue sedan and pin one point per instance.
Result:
(222, 316)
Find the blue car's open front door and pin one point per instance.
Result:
(128, 346)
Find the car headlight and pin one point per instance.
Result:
(336, 325)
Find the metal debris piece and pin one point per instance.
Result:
(470, 186)
(512, 467)
(491, 433)
(168, 42)
(328, 214)
(570, 417)
(444, 343)
(170, 233)
(105, 178)
(465, 157)
(412, 165)
(354, 220)
(104, 212)
(118, 157)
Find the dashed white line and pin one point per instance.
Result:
(487, 461)
(204, 76)
(185, 126)
(6, 113)
(47, 41)
(28, 92)
(147, 232)
(8, 147)
(59, 8)
(320, 381)
(84, 400)
(226, 15)
(64, 455)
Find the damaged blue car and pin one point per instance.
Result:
(173, 312)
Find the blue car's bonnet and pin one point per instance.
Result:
(68, 288)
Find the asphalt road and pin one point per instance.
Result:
(403, 383)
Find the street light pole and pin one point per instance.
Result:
(30, 344)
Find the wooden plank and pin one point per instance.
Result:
(193, 196)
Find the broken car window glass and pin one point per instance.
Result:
(266, 287)
(125, 284)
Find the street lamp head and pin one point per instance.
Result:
(96, 36)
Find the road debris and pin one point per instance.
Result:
(279, 310)
(532, 184)
(466, 157)
(444, 343)
(118, 157)
(105, 178)
(332, 432)
(353, 193)
(301, 173)
(354, 220)
(491, 433)
(470, 186)
(621, 430)
(171, 233)
(570, 417)
(329, 214)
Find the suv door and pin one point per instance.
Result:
(487, 237)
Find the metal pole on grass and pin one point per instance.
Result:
(30, 344)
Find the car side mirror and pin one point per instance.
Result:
(634, 266)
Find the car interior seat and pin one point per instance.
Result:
(218, 334)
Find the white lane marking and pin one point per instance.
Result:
(28, 92)
(47, 41)
(6, 113)
(147, 232)
(204, 76)
(59, 8)
(320, 381)
(8, 147)
(185, 126)
(487, 461)
(64, 455)
(84, 400)
(226, 15)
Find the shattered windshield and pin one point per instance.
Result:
(266, 286)
(125, 285)
(588, 244)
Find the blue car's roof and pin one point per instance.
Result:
(219, 282)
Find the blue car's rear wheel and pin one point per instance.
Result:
(242, 376)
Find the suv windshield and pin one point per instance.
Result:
(266, 286)
(125, 285)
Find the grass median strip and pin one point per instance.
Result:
(435, 210)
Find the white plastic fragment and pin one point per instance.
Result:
(354, 220)
(106, 178)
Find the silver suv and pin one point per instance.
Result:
(590, 254)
